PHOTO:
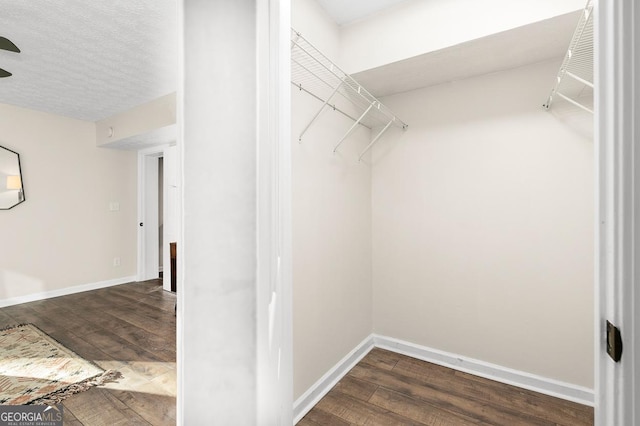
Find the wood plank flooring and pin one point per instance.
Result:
(130, 328)
(386, 388)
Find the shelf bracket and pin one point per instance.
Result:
(577, 63)
(353, 127)
(376, 138)
(581, 80)
(326, 102)
(316, 74)
(576, 103)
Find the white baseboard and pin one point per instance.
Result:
(487, 370)
(320, 388)
(64, 291)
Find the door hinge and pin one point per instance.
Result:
(614, 342)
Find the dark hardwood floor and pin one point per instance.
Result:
(386, 388)
(130, 328)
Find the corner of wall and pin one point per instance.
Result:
(148, 117)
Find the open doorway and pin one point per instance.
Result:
(157, 214)
(160, 214)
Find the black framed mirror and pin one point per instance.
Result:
(11, 187)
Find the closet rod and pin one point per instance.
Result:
(332, 69)
(333, 106)
(326, 102)
(350, 86)
(317, 75)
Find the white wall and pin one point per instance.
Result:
(420, 26)
(148, 117)
(331, 209)
(64, 234)
(483, 225)
(311, 20)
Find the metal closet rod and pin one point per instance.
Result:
(333, 106)
(347, 84)
(330, 86)
(331, 69)
(346, 81)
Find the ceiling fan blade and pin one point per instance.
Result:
(4, 73)
(6, 44)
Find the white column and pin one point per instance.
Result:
(217, 256)
(234, 260)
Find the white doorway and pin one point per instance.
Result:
(611, 386)
(157, 213)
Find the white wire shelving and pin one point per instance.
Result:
(574, 82)
(315, 74)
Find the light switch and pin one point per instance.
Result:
(114, 206)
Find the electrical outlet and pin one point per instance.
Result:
(114, 206)
(116, 261)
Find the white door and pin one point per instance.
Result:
(170, 209)
(149, 263)
(152, 204)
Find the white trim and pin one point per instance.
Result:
(65, 291)
(180, 305)
(509, 376)
(617, 102)
(274, 264)
(154, 151)
(320, 388)
(487, 370)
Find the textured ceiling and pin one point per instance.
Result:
(88, 59)
(346, 11)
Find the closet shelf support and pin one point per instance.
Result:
(376, 138)
(316, 74)
(581, 80)
(326, 102)
(353, 126)
(574, 82)
(576, 103)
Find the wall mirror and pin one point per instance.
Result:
(11, 189)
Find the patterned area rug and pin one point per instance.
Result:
(36, 369)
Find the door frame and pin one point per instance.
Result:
(274, 291)
(617, 103)
(617, 223)
(142, 250)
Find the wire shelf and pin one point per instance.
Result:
(574, 82)
(314, 73)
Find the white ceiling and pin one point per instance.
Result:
(346, 11)
(88, 59)
(92, 59)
